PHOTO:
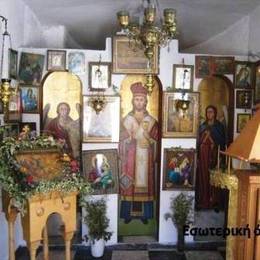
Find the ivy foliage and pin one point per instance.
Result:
(20, 186)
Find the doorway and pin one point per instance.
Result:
(139, 152)
(216, 98)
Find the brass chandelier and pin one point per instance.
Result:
(149, 34)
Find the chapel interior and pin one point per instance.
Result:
(137, 120)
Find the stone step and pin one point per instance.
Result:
(203, 255)
(130, 255)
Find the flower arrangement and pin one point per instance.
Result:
(20, 184)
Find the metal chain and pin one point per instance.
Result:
(159, 11)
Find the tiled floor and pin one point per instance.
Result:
(206, 219)
(131, 255)
(170, 254)
(138, 239)
(203, 255)
(55, 255)
(152, 255)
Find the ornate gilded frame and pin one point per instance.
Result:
(111, 155)
(176, 123)
(104, 126)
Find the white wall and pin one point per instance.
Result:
(254, 34)
(241, 38)
(26, 29)
(33, 30)
(232, 41)
(13, 11)
(167, 231)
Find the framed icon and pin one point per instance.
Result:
(56, 60)
(179, 168)
(242, 120)
(30, 98)
(177, 122)
(183, 77)
(103, 126)
(99, 75)
(128, 59)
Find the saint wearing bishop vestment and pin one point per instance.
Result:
(138, 141)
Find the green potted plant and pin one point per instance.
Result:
(97, 223)
(180, 216)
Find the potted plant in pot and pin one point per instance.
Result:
(97, 223)
(180, 216)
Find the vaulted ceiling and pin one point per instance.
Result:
(89, 22)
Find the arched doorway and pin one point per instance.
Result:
(217, 102)
(218, 91)
(139, 155)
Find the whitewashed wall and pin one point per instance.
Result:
(167, 231)
(233, 40)
(254, 33)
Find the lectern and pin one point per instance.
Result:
(38, 208)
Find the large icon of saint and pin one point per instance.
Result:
(137, 149)
(62, 128)
(211, 136)
(61, 110)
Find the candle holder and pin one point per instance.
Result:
(5, 88)
(5, 93)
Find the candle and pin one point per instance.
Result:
(218, 157)
(229, 165)
(5, 57)
(226, 156)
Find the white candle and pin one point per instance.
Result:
(5, 69)
(218, 156)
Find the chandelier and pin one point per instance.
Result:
(150, 33)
